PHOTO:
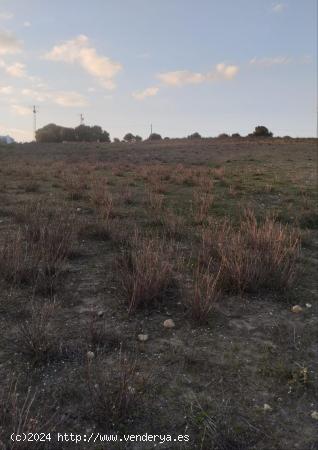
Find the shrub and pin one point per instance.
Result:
(236, 135)
(145, 272)
(261, 131)
(129, 137)
(255, 256)
(155, 137)
(223, 135)
(195, 135)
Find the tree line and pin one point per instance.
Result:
(85, 133)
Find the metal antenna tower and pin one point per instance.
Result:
(81, 119)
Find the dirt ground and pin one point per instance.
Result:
(72, 355)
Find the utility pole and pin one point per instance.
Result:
(34, 120)
(151, 129)
(81, 119)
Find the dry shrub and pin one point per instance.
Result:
(172, 223)
(113, 391)
(102, 200)
(19, 414)
(206, 292)
(33, 337)
(201, 204)
(255, 256)
(35, 253)
(145, 271)
(75, 185)
(100, 337)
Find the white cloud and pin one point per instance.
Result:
(27, 24)
(149, 92)
(268, 62)
(6, 90)
(9, 44)
(68, 99)
(184, 77)
(5, 15)
(61, 98)
(278, 7)
(21, 110)
(16, 70)
(80, 51)
(181, 77)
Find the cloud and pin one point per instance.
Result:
(183, 77)
(9, 44)
(268, 62)
(278, 7)
(80, 51)
(66, 99)
(16, 70)
(149, 92)
(6, 90)
(27, 24)
(20, 110)
(5, 15)
(69, 99)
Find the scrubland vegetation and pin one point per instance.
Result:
(152, 288)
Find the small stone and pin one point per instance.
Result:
(308, 305)
(143, 337)
(90, 355)
(297, 309)
(100, 313)
(314, 415)
(169, 323)
(267, 407)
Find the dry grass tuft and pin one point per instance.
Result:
(255, 256)
(205, 293)
(33, 337)
(145, 271)
(18, 415)
(113, 392)
(35, 253)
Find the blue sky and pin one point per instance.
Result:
(210, 66)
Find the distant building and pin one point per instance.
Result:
(7, 139)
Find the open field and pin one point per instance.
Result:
(100, 244)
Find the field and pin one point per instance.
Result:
(162, 287)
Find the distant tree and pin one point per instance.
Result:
(67, 134)
(129, 137)
(236, 135)
(49, 133)
(116, 141)
(82, 133)
(155, 137)
(195, 135)
(166, 138)
(223, 135)
(261, 131)
(138, 138)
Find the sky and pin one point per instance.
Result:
(209, 66)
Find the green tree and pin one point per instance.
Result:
(195, 135)
(261, 131)
(129, 137)
(155, 137)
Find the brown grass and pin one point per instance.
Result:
(145, 271)
(254, 256)
(19, 414)
(113, 394)
(35, 253)
(205, 293)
